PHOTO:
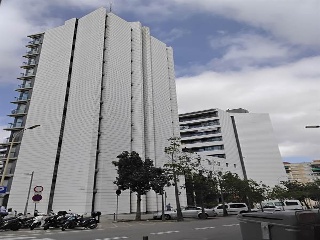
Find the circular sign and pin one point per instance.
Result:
(36, 197)
(118, 192)
(38, 189)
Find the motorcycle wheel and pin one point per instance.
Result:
(32, 227)
(15, 227)
(45, 227)
(93, 225)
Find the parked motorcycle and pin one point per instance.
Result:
(11, 223)
(25, 221)
(56, 220)
(38, 220)
(76, 220)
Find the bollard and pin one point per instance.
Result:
(145, 238)
(114, 217)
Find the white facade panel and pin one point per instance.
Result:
(232, 161)
(163, 110)
(148, 94)
(116, 112)
(39, 146)
(77, 161)
(259, 147)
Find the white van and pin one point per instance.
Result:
(278, 205)
(232, 208)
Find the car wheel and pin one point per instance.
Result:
(167, 217)
(203, 215)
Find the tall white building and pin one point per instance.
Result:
(97, 85)
(236, 141)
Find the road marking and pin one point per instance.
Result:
(114, 238)
(23, 237)
(160, 233)
(231, 225)
(204, 228)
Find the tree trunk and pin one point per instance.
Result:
(138, 213)
(162, 207)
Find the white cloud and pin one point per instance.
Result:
(292, 101)
(249, 49)
(293, 20)
(172, 35)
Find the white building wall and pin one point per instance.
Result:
(39, 146)
(77, 158)
(116, 112)
(259, 147)
(232, 161)
(162, 107)
(132, 74)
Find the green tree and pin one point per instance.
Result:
(296, 190)
(134, 174)
(160, 181)
(174, 168)
(180, 163)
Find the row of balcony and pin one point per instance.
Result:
(20, 99)
(31, 53)
(17, 112)
(34, 42)
(29, 64)
(24, 87)
(27, 75)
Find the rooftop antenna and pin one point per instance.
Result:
(110, 6)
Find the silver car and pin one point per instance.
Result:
(187, 212)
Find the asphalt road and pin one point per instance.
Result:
(220, 228)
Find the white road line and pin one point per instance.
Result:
(231, 225)
(114, 238)
(204, 228)
(160, 233)
(18, 238)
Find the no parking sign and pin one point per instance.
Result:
(37, 193)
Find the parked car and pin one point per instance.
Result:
(187, 212)
(277, 205)
(232, 208)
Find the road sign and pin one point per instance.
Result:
(3, 189)
(38, 189)
(36, 197)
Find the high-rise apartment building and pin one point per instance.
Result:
(303, 172)
(98, 86)
(235, 141)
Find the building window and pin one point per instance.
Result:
(227, 164)
(235, 165)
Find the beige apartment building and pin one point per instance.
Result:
(303, 172)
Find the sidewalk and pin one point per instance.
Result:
(109, 218)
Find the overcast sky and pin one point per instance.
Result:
(261, 55)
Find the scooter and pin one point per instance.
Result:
(56, 220)
(76, 220)
(12, 223)
(38, 220)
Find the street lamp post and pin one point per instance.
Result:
(10, 149)
(26, 207)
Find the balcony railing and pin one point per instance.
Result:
(18, 111)
(23, 98)
(31, 52)
(15, 125)
(25, 85)
(4, 156)
(34, 42)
